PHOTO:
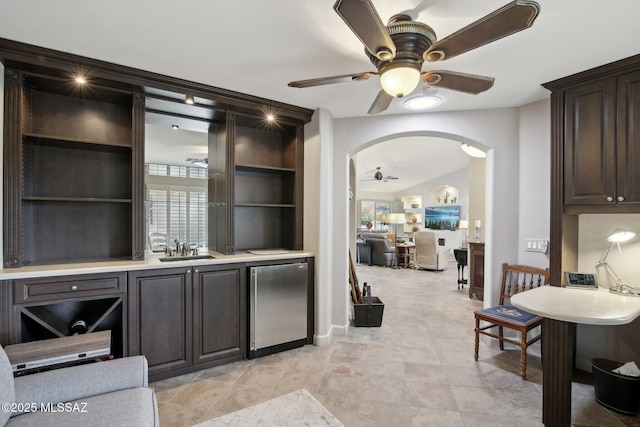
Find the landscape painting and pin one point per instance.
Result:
(445, 217)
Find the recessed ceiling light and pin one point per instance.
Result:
(189, 100)
(422, 102)
(270, 117)
(473, 151)
(80, 79)
(175, 127)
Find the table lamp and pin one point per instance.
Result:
(464, 225)
(615, 238)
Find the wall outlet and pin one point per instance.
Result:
(537, 245)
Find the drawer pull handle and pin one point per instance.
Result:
(609, 198)
(620, 199)
(74, 287)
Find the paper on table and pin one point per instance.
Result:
(629, 368)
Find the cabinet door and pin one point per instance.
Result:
(476, 270)
(160, 318)
(219, 314)
(590, 149)
(628, 181)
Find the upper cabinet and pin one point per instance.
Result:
(598, 142)
(595, 153)
(74, 186)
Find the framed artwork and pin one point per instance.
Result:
(446, 217)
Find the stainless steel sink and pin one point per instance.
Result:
(185, 258)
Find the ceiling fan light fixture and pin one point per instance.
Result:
(188, 99)
(422, 102)
(473, 151)
(399, 80)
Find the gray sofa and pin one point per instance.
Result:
(111, 393)
(382, 249)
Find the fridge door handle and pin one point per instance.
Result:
(254, 307)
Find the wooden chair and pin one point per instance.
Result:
(515, 278)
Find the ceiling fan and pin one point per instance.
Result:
(398, 49)
(379, 176)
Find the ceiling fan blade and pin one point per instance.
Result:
(468, 83)
(515, 16)
(330, 80)
(363, 19)
(381, 103)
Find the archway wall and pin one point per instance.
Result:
(493, 130)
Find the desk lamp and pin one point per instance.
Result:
(615, 238)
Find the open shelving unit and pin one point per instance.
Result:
(267, 183)
(76, 171)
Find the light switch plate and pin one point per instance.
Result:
(537, 245)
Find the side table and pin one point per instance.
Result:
(403, 254)
(367, 248)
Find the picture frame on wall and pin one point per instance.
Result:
(442, 217)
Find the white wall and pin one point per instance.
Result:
(458, 179)
(535, 176)
(318, 218)
(611, 342)
(492, 130)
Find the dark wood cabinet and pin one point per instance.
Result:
(219, 314)
(70, 157)
(595, 168)
(601, 152)
(160, 321)
(181, 317)
(476, 269)
(45, 308)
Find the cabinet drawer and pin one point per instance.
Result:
(51, 288)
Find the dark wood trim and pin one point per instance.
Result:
(299, 189)
(607, 70)
(12, 176)
(230, 187)
(557, 353)
(37, 58)
(137, 178)
(557, 187)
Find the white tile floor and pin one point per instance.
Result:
(417, 369)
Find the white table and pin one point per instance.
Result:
(562, 309)
(590, 307)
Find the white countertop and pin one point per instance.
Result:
(591, 307)
(152, 261)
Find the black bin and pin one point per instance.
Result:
(368, 314)
(620, 393)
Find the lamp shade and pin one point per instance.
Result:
(397, 218)
(620, 235)
(464, 224)
(399, 81)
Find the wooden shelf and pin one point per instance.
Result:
(266, 205)
(257, 168)
(75, 199)
(51, 139)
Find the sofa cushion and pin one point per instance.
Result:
(7, 393)
(131, 407)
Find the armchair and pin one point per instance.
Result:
(428, 254)
(114, 392)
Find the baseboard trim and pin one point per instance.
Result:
(321, 340)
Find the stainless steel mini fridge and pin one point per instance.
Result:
(278, 308)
